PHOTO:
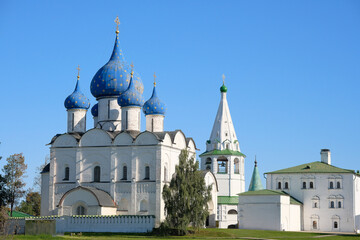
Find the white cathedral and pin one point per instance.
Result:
(114, 168)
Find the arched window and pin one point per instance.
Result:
(286, 185)
(311, 185)
(315, 201)
(165, 174)
(339, 204)
(279, 185)
(331, 185)
(304, 185)
(315, 205)
(222, 165)
(314, 224)
(232, 211)
(236, 166)
(124, 172)
(80, 210)
(97, 174)
(208, 167)
(332, 204)
(335, 224)
(67, 173)
(338, 185)
(147, 173)
(143, 206)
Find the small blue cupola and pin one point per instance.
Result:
(114, 77)
(154, 106)
(94, 110)
(77, 100)
(131, 97)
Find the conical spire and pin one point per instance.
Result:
(255, 183)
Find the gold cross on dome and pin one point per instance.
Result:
(154, 79)
(132, 67)
(223, 77)
(117, 24)
(78, 68)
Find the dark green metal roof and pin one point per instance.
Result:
(313, 167)
(229, 200)
(222, 152)
(19, 214)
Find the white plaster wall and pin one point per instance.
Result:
(131, 118)
(321, 189)
(44, 209)
(78, 124)
(294, 218)
(65, 140)
(155, 123)
(224, 218)
(109, 116)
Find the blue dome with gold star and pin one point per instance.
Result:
(94, 110)
(114, 77)
(77, 99)
(131, 97)
(154, 106)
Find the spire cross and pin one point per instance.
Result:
(255, 161)
(78, 68)
(132, 68)
(223, 77)
(117, 24)
(154, 79)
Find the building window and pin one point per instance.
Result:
(332, 204)
(143, 206)
(315, 205)
(279, 185)
(232, 211)
(335, 224)
(147, 173)
(97, 174)
(80, 210)
(339, 204)
(165, 174)
(124, 173)
(286, 185)
(208, 167)
(236, 166)
(304, 185)
(314, 224)
(316, 201)
(227, 146)
(67, 173)
(331, 186)
(338, 185)
(311, 185)
(124, 205)
(222, 165)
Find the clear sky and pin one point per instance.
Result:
(292, 71)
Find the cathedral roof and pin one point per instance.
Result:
(113, 78)
(255, 183)
(77, 100)
(95, 110)
(228, 200)
(46, 168)
(154, 106)
(313, 167)
(131, 97)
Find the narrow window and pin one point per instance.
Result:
(97, 174)
(311, 185)
(236, 166)
(222, 165)
(314, 224)
(227, 146)
(332, 205)
(80, 210)
(124, 173)
(331, 185)
(67, 173)
(338, 185)
(335, 224)
(279, 185)
(147, 173)
(286, 185)
(72, 122)
(304, 185)
(315, 205)
(165, 174)
(339, 204)
(152, 124)
(126, 120)
(108, 113)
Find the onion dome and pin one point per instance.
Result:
(223, 88)
(94, 110)
(114, 77)
(154, 106)
(77, 99)
(131, 97)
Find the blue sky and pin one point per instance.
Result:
(292, 71)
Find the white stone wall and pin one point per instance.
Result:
(109, 114)
(130, 118)
(44, 209)
(224, 218)
(323, 212)
(155, 123)
(76, 121)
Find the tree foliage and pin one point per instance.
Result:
(186, 198)
(4, 192)
(31, 205)
(13, 174)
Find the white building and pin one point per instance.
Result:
(330, 198)
(113, 168)
(225, 160)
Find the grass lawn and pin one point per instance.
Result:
(203, 234)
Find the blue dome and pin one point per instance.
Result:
(114, 77)
(77, 99)
(94, 110)
(131, 97)
(154, 106)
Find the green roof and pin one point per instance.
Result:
(229, 200)
(313, 167)
(19, 214)
(270, 192)
(222, 152)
